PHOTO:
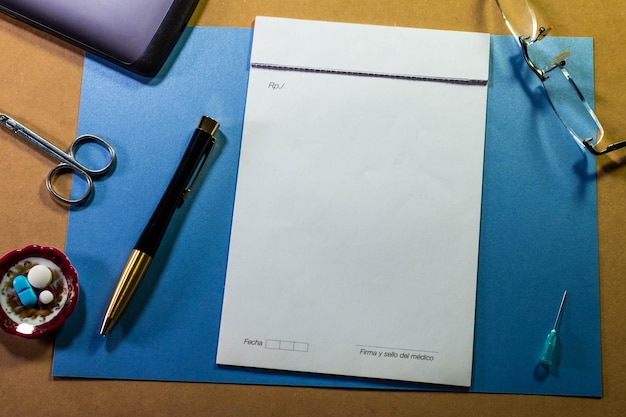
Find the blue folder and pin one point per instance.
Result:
(538, 230)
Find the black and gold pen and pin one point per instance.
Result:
(186, 174)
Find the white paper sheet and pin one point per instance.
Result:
(354, 244)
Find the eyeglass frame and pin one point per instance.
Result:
(559, 62)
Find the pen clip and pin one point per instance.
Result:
(196, 174)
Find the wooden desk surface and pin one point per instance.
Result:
(40, 83)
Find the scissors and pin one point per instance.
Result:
(68, 162)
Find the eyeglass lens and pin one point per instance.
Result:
(570, 106)
(519, 17)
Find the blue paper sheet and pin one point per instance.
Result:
(538, 228)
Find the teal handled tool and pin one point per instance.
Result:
(549, 345)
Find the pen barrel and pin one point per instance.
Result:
(197, 151)
(134, 270)
(193, 160)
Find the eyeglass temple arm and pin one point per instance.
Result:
(612, 147)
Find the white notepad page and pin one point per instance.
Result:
(354, 245)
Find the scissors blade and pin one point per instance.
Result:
(20, 130)
(9, 123)
(33, 138)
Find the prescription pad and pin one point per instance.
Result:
(354, 243)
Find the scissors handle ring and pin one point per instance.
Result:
(96, 139)
(64, 168)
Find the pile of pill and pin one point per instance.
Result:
(38, 278)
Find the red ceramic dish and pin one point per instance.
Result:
(38, 320)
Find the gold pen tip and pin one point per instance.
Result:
(107, 325)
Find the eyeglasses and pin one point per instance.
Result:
(564, 96)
